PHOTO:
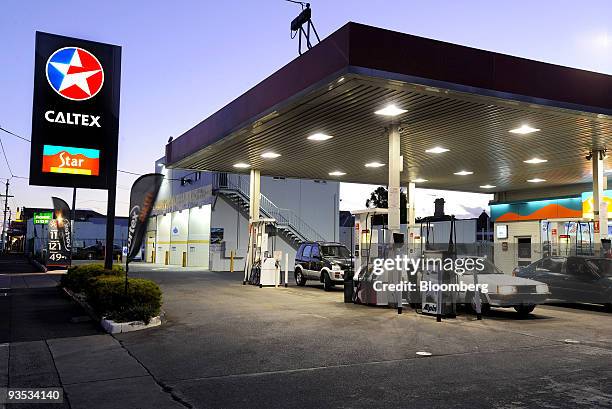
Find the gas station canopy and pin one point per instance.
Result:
(464, 100)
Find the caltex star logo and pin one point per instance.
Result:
(75, 73)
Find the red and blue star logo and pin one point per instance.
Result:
(75, 73)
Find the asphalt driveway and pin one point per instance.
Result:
(228, 345)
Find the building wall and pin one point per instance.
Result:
(316, 203)
(507, 260)
(235, 239)
(150, 240)
(163, 238)
(179, 234)
(198, 252)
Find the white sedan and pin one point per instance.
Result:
(503, 290)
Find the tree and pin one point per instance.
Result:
(379, 198)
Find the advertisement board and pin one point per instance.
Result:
(59, 243)
(75, 113)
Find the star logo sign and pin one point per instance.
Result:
(75, 73)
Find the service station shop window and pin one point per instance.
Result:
(501, 231)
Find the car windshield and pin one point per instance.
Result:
(602, 266)
(487, 268)
(335, 251)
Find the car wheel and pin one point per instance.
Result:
(485, 308)
(608, 307)
(328, 285)
(524, 309)
(299, 278)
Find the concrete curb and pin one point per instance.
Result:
(111, 326)
(36, 264)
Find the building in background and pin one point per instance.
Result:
(201, 218)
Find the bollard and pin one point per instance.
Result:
(231, 261)
(286, 269)
(184, 259)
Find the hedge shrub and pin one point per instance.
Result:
(108, 298)
(79, 278)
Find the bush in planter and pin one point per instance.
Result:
(107, 297)
(79, 278)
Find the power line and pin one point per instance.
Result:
(14, 134)
(5, 158)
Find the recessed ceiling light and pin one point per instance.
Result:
(337, 173)
(340, 79)
(536, 180)
(374, 165)
(464, 173)
(536, 160)
(437, 149)
(390, 110)
(319, 137)
(270, 155)
(419, 180)
(524, 130)
(487, 186)
(242, 165)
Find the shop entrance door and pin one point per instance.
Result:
(523, 249)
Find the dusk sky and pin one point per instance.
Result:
(183, 60)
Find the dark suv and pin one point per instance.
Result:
(324, 262)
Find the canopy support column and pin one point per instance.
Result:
(600, 209)
(394, 182)
(254, 194)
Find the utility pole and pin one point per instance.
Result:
(6, 198)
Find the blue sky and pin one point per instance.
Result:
(184, 60)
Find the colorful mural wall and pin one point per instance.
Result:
(537, 210)
(587, 203)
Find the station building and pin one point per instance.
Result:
(201, 218)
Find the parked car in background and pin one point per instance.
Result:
(94, 252)
(325, 262)
(504, 290)
(575, 279)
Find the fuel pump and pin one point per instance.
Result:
(366, 250)
(261, 267)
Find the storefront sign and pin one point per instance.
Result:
(75, 114)
(42, 217)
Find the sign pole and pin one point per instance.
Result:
(72, 221)
(6, 197)
(110, 215)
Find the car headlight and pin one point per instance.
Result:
(541, 288)
(506, 289)
(336, 267)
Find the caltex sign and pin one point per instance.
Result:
(75, 115)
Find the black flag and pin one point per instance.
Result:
(142, 198)
(59, 244)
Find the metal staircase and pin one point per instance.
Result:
(236, 190)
